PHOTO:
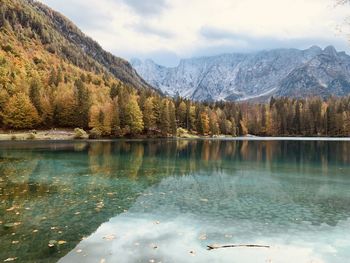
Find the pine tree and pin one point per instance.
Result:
(172, 118)
(165, 118)
(83, 104)
(182, 115)
(34, 95)
(115, 123)
(149, 118)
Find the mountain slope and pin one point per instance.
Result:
(61, 37)
(280, 72)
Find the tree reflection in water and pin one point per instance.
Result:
(65, 190)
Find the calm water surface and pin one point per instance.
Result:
(165, 201)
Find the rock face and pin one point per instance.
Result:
(279, 72)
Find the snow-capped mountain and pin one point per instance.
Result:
(279, 72)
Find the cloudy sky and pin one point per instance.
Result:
(167, 30)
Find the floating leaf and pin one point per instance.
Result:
(79, 251)
(61, 242)
(15, 242)
(9, 225)
(102, 260)
(52, 243)
(10, 259)
(203, 237)
(109, 237)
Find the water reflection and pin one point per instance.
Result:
(66, 190)
(176, 219)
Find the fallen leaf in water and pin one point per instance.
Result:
(157, 222)
(79, 251)
(9, 259)
(109, 237)
(11, 208)
(9, 225)
(152, 261)
(154, 246)
(53, 228)
(61, 242)
(204, 200)
(203, 237)
(15, 242)
(77, 213)
(52, 243)
(102, 260)
(35, 230)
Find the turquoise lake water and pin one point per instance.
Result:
(166, 200)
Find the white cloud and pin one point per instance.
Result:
(184, 28)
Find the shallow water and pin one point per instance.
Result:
(165, 201)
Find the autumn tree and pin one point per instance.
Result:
(133, 115)
(20, 113)
(149, 117)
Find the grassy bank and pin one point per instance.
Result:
(37, 135)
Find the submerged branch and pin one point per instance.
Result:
(215, 246)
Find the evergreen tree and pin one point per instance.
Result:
(182, 115)
(83, 104)
(34, 95)
(165, 118)
(172, 118)
(149, 117)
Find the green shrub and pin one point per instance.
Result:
(95, 134)
(80, 134)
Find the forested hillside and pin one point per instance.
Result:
(52, 76)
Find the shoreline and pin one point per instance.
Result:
(69, 135)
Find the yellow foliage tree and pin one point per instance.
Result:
(20, 113)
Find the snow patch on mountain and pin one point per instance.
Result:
(238, 77)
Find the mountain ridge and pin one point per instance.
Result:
(244, 76)
(61, 37)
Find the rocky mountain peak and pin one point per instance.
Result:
(278, 72)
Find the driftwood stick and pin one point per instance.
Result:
(215, 246)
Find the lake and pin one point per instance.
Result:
(167, 200)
